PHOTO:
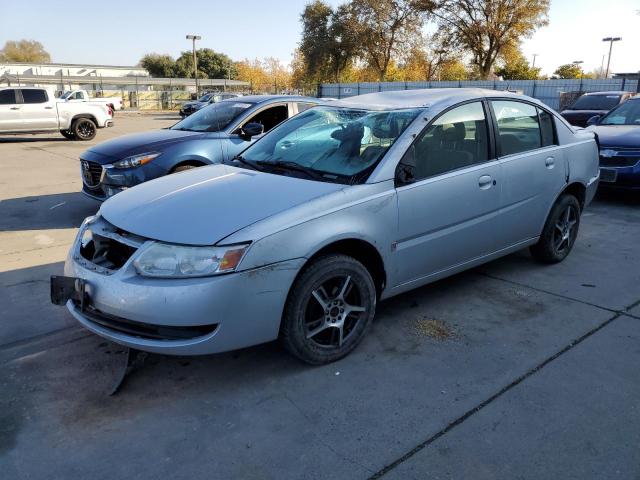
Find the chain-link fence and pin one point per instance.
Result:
(551, 92)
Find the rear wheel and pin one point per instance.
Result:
(84, 129)
(560, 231)
(329, 309)
(68, 134)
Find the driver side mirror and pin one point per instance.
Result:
(251, 129)
(594, 120)
(406, 169)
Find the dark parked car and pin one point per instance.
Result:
(207, 99)
(211, 135)
(619, 139)
(590, 104)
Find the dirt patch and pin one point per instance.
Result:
(432, 328)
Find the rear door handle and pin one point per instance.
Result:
(14, 108)
(549, 162)
(485, 182)
(48, 108)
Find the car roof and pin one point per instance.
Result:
(423, 98)
(612, 92)
(267, 98)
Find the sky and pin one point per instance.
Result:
(120, 32)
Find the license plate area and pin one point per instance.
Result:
(608, 175)
(64, 289)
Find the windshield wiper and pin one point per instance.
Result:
(242, 160)
(286, 165)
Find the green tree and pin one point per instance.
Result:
(210, 65)
(159, 65)
(386, 28)
(516, 67)
(485, 28)
(569, 70)
(26, 51)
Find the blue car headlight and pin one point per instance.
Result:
(136, 160)
(163, 260)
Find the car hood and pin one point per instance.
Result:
(127, 145)
(204, 205)
(622, 136)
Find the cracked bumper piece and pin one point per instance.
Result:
(184, 316)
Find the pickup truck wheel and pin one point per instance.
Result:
(329, 310)
(68, 134)
(84, 129)
(560, 231)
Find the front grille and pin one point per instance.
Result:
(91, 173)
(619, 161)
(145, 330)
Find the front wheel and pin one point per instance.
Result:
(68, 134)
(560, 231)
(84, 129)
(329, 309)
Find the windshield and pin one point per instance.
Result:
(626, 114)
(206, 97)
(596, 102)
(213, 118)
(340, 143)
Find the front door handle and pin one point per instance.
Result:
(485, 182)
(549, 162)
(48, 108)
(14, 108)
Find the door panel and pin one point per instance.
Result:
(38, 111)
(450, 214)
(10, 111)
(534, 167)
(448, 220)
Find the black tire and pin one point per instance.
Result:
(328, 291)
(84, 129)
(560, 231)
(182, 168)
(68, 134)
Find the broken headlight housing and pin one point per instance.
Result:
(164, 260)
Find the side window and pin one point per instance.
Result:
(546, 128)
(518, 126)
(8, 97)
(455, 140)
(34, 96)
(304, 106)
(270, 117)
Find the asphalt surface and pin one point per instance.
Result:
(510, 370)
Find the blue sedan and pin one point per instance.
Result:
(213, 134)
(619, 139)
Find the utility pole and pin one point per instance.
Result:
(610, 40)
(533, 65)
(195, 58)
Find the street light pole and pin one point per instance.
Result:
(578, 63)
(533, 65)
(195, 58)
(610, 40)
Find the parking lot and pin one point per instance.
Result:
(510, 370)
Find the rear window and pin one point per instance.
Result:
(34, 96)
(7, 97)
(596, 102)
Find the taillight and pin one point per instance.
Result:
(110, 110)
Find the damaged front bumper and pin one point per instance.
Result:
(179, 316)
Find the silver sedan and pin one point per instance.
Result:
(337, 208)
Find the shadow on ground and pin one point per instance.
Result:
(60, 210)
(19, 139)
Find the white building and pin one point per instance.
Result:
(71, 70)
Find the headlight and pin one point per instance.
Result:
(136, 160)
(175, 261)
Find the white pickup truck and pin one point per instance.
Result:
(83, 96)
(34, 110)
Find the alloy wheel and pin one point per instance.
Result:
(333, 311)
(563, 235)
(86, 129)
